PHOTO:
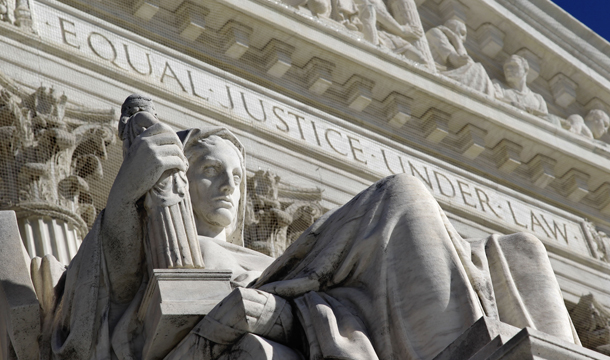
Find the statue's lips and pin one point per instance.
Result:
(224, 202)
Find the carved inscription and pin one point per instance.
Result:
(315, 132)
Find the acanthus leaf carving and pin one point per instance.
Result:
(48, 156)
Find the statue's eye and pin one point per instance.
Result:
(210, 171)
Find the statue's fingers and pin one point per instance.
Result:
(143, 120)
(255, 295)
(170, 149)
(253, 309)
(158, 128)
(173, 162)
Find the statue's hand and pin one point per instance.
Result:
(249, 311)
(153, 152)
(411, 32)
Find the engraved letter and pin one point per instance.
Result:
(193, 86)
(510, 206)
(351, 141)
(90, 41)
(145, 73)
(231, 106)
(286, 128)
(385, 159)
(464, 193)
(65, 31)
(298, 118)
(329, 143)
(436, 175)
(414, 170)
(485, 200)
(172, 76)
(535, 222)
(243, 99)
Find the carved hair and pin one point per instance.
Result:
(454, 25)
(599, 114)
(519, 59)
(197, 143)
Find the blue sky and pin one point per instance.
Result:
(593, 13)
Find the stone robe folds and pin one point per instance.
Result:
(385, 276)
(87, 324)
(471, 74)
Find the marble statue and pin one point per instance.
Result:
(576, 124)
(452, 60)
(317, 7)
(598, 122)
(517, 93)
(386, 276)
(393, 24)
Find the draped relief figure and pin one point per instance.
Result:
(517, 93)
(385, 276)
(393, 24)
(593, 127)
(452, 59)
(576, 124)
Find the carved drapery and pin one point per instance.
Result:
(48, 152)
(277, 214)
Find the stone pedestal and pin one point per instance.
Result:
(530, 344)
(174, 302)
(489, 339)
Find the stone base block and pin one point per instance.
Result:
(481, 339)
(530, 344)
(174, 302)
(489, 339)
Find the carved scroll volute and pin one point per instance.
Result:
(170, 232)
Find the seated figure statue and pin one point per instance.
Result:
(385, 276)
(452, 60)
(517, 93)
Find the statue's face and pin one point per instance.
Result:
(598, 123)
(214, 180)
(460, 30)
(514, 69)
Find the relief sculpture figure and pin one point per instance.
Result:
(452, 60)
(393, 24)
(598, 122)
(517, 93)
(385, 276)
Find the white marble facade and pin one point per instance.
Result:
(505, 129)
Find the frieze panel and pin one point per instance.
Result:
(321, 134)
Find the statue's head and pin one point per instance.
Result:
(516, 68)
(457, 27)
(598, 121)
(217, 182)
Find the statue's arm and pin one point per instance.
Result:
(391, 25)
(155, 151)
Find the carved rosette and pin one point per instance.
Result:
(277, 214)
(48, 152)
